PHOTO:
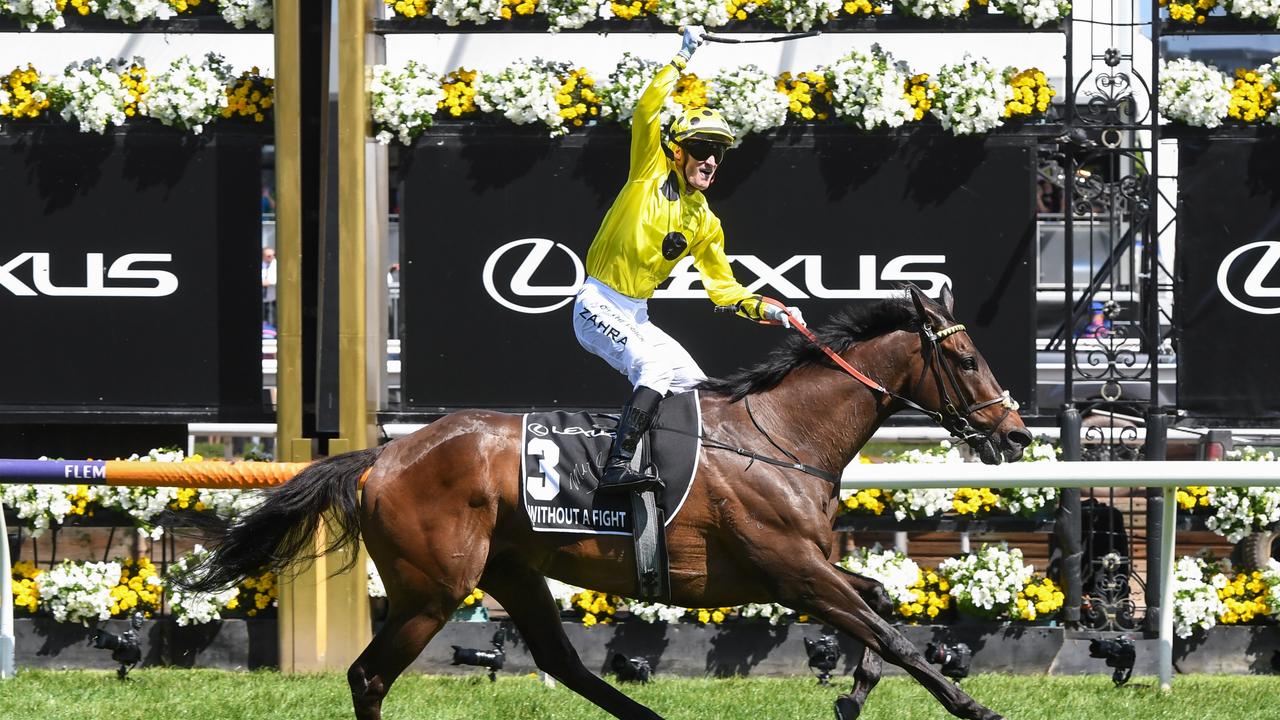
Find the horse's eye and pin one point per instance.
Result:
(969, 363)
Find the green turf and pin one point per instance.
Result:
(165, 694)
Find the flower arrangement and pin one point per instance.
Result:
(250, 97)
(32, 13)
(743, 9)
(678, 13)
(897, 572)
(1252, 94)
(1267, 11)
(26, 589)
(971, 96)
(936, 8)
(189, 95)
(749, 99)
(1195, 596)
(710, 616)
(1037, 12)
(78, 592)
(971, 501)
(864, 7)
(513, 8)
(1235, 512)
(1031, 92)
(22, 94)
(134, 11)
(1248, 596)
(632, 9)
(920, 91)
(455, 12)
(1189, 11)
(774, 613)
(1193, 93)
(867, 501)
(655, 612)
(139, 589)
(92, 94)
(569, 14)
(240, 13)
(690, 92)
(459, 88)
(800, 14)
(403, 101)
(989, 581)
(621, 92)
(808, 95)
(409, 8)
(1039, 598)
(579, 103)
(867, 89)
(257, 593)
(525, 93)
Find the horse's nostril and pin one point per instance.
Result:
(1021, 438)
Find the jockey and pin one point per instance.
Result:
(659, 217)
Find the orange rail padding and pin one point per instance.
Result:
(213, 475)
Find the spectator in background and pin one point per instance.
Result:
(268, 288)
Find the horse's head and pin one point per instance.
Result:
(956, 381)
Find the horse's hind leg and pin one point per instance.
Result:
(396, 645)
(865, 678)
(524, 595)
(820, 589)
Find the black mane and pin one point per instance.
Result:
(846, 328)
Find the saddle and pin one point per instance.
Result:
(563, 456)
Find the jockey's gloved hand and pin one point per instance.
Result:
(777, 314)
(693, 36)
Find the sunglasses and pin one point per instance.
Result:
(702, 149)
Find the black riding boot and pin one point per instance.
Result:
(634, 422)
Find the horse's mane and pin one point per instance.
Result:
(849, 326)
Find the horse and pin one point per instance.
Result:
(440, 510)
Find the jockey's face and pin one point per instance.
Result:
(699, 173)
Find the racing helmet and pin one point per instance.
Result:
(701, 123)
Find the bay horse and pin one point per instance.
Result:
(441, 512)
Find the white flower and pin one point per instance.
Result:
(971, 96)
(869, 89)
(1037, 12)
(1268, 10)
(895, 571)
(242, 12)
(654, 612)
(1193, 93)
(374, 584)
(455, 12)
(188, 95)
(799, 14)
(41, 506)
(78, 592)
(563, 593)
(30, 13)
(95, 96)
(1195, 599)
(748, 98)
(525, 93)
(403, 101)
(773, 612)
(710, 13)
(570, 14)
(135, 11)
(988, 580)
(188, 608)
(621, 92)
(934, 8)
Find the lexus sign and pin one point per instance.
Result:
(797, 227)
(1248, 280)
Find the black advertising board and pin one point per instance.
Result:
(1228, 267)
(496, 224)
(129, 274)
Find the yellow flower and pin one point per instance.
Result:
(409, 8)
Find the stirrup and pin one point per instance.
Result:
(628, 481)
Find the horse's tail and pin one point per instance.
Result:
(281, 531)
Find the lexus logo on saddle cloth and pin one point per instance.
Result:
(1244, 274)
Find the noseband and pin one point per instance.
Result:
(952, 418)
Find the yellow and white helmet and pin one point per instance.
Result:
(701, 123)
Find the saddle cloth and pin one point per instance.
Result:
(564, 454)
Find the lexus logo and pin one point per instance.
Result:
(519, 287)
(1252, 295)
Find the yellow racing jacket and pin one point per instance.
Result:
(655, 221)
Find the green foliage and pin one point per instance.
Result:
(217, 695)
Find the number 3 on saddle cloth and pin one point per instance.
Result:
(560, 466)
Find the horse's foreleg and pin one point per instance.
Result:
(820, 589)
(524, 595)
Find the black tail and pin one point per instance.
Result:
(281, 531)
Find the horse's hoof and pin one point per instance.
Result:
(847, 708)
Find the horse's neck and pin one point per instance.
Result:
(826, 414)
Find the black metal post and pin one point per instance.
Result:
(1155, 449)
(1066, 526)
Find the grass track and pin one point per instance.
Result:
(169, 694)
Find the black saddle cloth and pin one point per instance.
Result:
(564, 453)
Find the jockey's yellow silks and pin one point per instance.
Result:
(628, 251)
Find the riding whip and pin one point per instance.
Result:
(710, 37)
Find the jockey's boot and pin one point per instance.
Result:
(633, 423)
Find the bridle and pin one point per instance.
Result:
(955, 420)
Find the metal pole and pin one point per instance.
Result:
(1156, 449)
(7, 642)
(1066, 526)
(1170, 529)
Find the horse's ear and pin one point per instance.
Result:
(918, 298)
(948, 300)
